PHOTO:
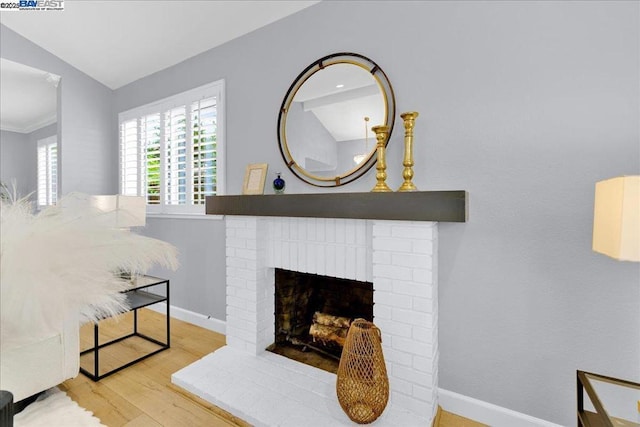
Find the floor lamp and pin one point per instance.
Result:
(616, 233)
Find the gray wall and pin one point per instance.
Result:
(18, 161)
(87, 133)
(199, 285)
(523, 104)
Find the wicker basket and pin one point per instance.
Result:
(362, 385)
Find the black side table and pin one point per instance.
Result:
(6, 409)
(138, 296)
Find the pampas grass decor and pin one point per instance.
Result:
(63, 259)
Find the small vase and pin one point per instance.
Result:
(278, 184)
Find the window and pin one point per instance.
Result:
(47, 172)
(172, 151)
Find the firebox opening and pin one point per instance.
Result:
(313, 314)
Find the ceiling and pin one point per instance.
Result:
(28, 97)
(116, 41)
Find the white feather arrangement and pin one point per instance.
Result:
(65, 258)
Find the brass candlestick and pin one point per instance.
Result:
(409, 122)
(381, 136)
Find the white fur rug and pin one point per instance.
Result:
(55, 409)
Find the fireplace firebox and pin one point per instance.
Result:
(313, 314)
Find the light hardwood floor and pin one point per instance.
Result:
(142, 394)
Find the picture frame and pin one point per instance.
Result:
(254, 178)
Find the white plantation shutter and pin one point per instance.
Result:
(42, 176)
(175, 130)
(129, 158)
(47, 171)
(204, 157)
(150, 143)
(53, 172)
(171, 151)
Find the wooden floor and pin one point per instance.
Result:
(142, 394)
(447, 419)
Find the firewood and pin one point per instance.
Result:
(331, 320)
(325, 333)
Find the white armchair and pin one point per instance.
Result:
(30, 367)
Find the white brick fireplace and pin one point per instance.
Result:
(398, 257)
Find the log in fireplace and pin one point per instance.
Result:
(313, 314)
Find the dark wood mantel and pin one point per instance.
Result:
(442, 206)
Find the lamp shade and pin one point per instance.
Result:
(616, 218)
(123, 211)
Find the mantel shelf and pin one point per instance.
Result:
(442, 206)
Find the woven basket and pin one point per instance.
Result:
(362, 385)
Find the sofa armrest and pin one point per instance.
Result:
(36, 366)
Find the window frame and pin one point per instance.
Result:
(215, 89)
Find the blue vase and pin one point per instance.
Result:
(278, 184)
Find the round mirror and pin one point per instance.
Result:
(324, 126)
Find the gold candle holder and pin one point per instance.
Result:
(381, 175)
(409, 122)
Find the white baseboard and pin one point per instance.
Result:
(487, 413)
(197, 319)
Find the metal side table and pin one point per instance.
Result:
(615, 402)
(138, 296)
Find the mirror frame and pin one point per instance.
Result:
(389, 98)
